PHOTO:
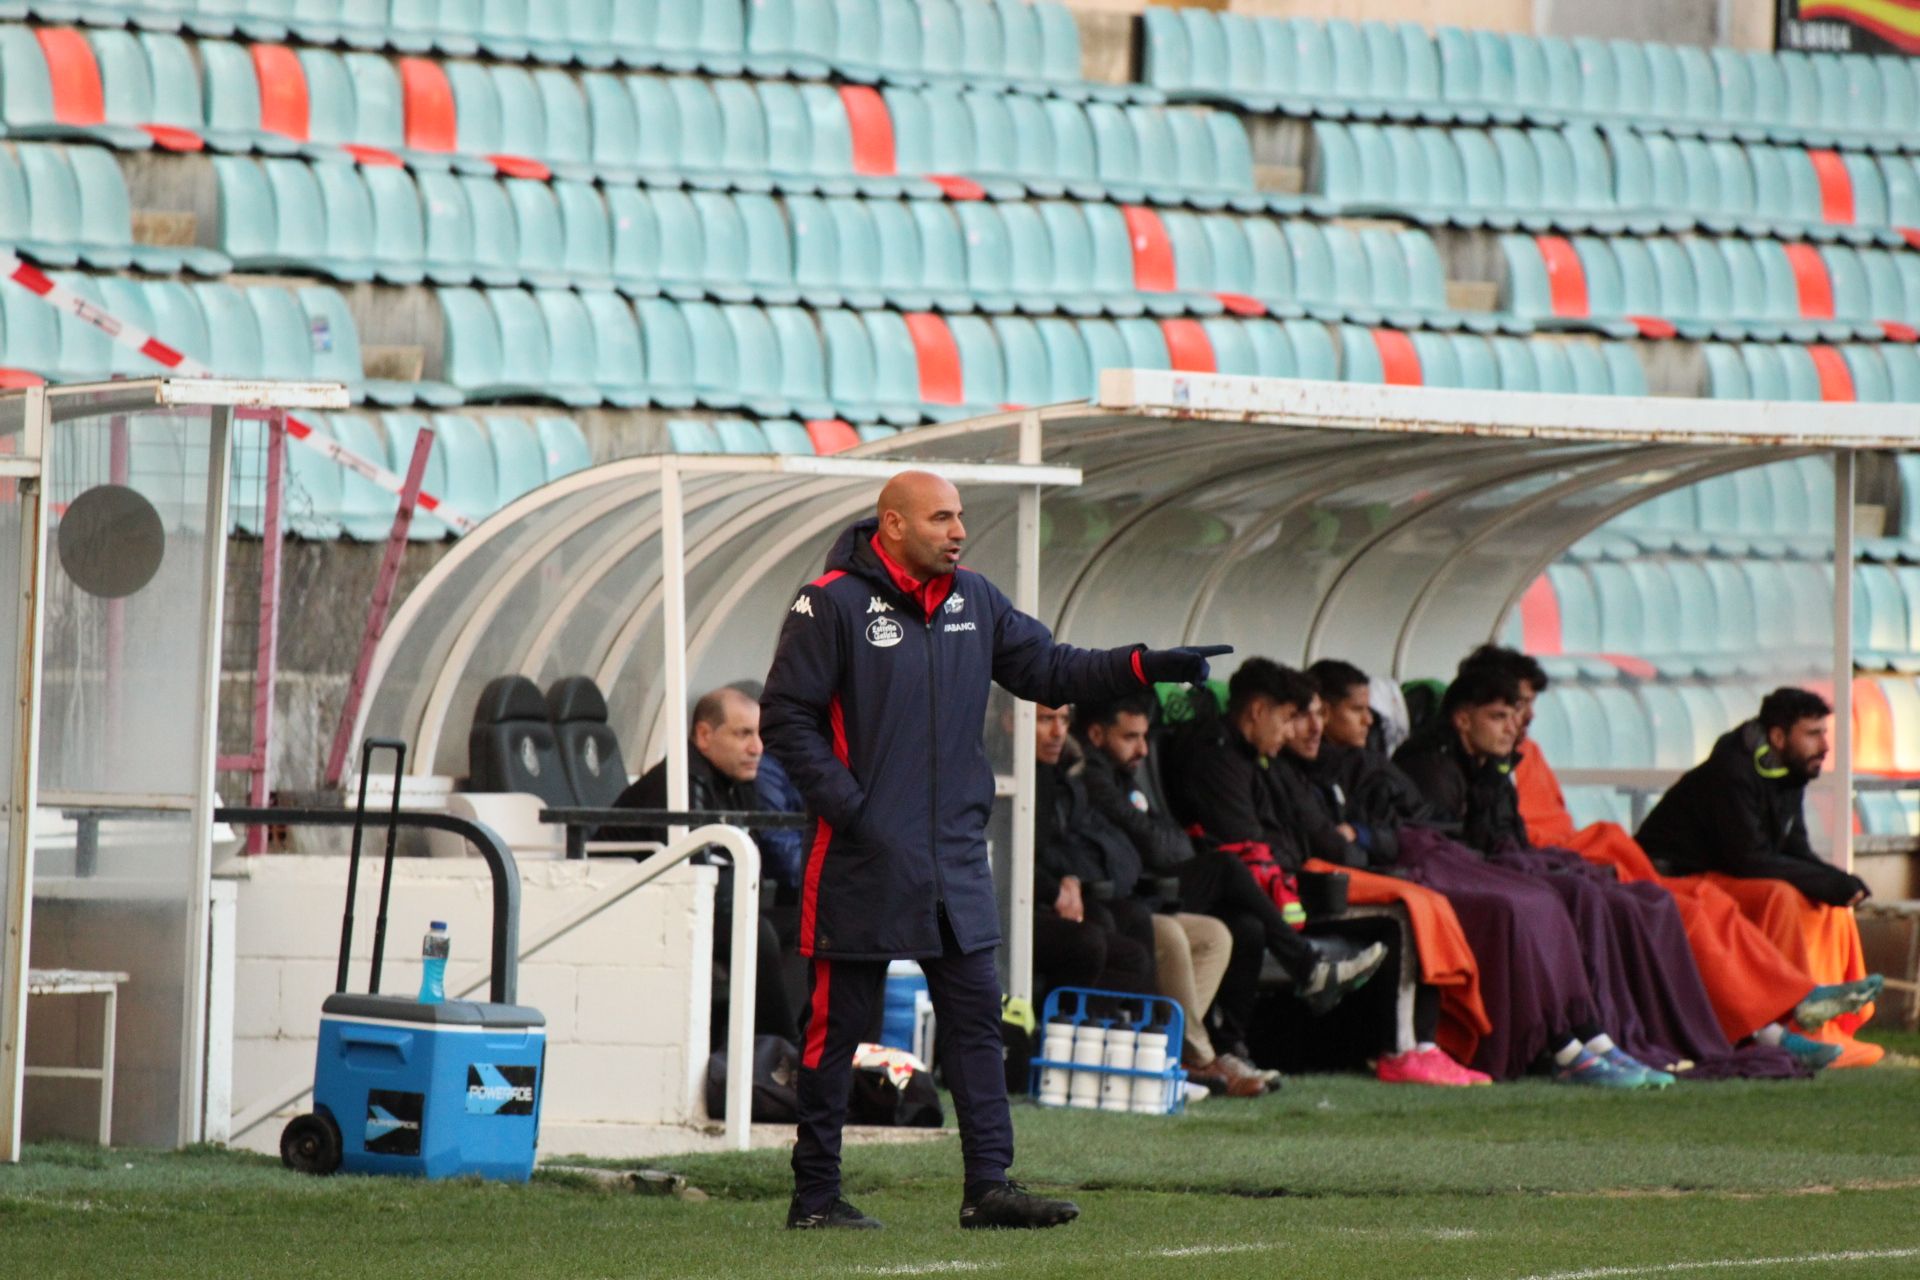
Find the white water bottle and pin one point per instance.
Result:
(1089, 1043)
(1056, 1047)
(1150, 1093)
(1116, 1089)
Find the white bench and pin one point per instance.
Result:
(84, 982)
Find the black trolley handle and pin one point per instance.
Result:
(367, 749)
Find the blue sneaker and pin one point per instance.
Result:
(1592, 1069)
(1650, 1077)
(1814, 1055)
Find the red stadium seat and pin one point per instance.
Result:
(429, 105)
(1566, 277)
(75, 76)
(872, 128)
(1836, 186)
(1152, 250)
(1188, 346)
(1836, 380)
(1872, 727)
(831, 435)
(1811, 279)
(1540, 619)
(938, 357)
(283, 91)
(1398, 360)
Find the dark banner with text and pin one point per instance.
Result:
(1849, 26)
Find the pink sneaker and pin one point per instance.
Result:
(1427, 1066)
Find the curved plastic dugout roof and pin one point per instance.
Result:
(1392, 526)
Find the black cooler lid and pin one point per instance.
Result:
(466, 1013)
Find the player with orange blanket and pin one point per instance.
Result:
(1446, 961)
(1757, 976)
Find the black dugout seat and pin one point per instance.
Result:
(512, 746)
(589, 748)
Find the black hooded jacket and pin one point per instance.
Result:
(1741, 813)
(1372, 795)
(1476, 799)
(1135, 803)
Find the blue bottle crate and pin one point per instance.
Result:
(1069, 1005)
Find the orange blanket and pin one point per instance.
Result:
(1760, 945)
(1446, 962)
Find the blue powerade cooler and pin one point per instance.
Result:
(431, 1090)
(436, 1089)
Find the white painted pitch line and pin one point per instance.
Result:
(1728, 1264)
(1208, 1250)
(926, 1268)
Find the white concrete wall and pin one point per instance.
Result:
(625, 994)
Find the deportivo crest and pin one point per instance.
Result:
(884, 633)
(803, 605)
(955, 603)
(876, 605)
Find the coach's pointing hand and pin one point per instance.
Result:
(1179, 666)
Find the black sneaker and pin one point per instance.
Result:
(838, 1215)
(1335, 976)
(1009, 1206)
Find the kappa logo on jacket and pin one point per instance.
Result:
(884, 633)
(877, 605)
(803, 605)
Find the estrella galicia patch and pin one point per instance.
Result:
(500, 1091)
(884, 633)
(396, 1121)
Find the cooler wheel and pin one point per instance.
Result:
(311, 1144)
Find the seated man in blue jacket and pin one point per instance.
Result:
(875, 704)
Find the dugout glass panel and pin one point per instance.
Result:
(135, 560)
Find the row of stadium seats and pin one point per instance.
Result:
(260, 331)
(1880, 373)
(592, 348)
(478, 465)
(1370, 70)
(131, 91)
(1031, 43)
(356, 223)
(773, 435)
(1727, 287)
(1768, 511)
(1697, 616)
(68, 205)
(1578, 177)
(1683, 616)
(1643, 725)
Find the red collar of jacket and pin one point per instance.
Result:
(929, 595)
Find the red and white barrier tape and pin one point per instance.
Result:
(38, 283)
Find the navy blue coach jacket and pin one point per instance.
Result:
(876, 704)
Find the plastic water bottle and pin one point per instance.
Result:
(1149, 1093)
(1056, 1047)
(433, 964)
(1089, 1043)
(1116, 1089)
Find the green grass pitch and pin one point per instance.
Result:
(1334, 1177)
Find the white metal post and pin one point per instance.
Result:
(1843, 469)
(16, 927)
(1026, 598)
(212, 610)
(673, 574)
